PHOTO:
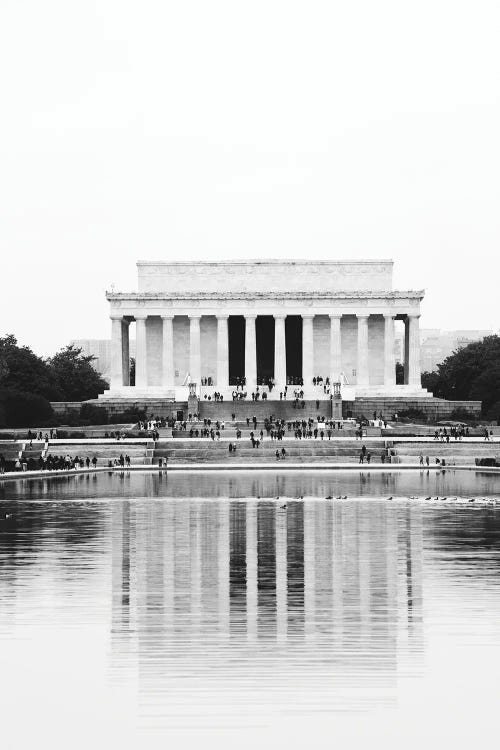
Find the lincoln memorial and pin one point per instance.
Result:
(218, 324)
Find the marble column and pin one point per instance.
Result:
(250, 353)
(389, 361)
(307, 349)
(414, 374)
(116, 352)
(222, 351)
(406, 364)
(362, 377)
(194, 349)
(279, 351)
(125, 352)
(335, 349)
(167, 372)
(141, 362)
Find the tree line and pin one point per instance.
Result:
(28, 382)
(471, 373)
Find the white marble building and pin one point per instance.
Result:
(221, 322)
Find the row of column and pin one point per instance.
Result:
(120, 351)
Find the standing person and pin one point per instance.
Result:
(421, 460)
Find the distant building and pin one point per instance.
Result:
(436, 344)
(101, 350)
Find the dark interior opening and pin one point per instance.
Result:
(293, 334)
(264, 332)
(236, 333)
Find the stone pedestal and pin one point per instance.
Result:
(193, 401)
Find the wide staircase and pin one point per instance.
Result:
(140, 453)
(285, 409)
(230, 429)
(12, 450)
(297, 451)
(460, 452)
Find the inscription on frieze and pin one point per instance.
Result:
(272, 277)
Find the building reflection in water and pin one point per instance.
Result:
(247, 593)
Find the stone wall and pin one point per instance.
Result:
(435, 408)
(266, 276)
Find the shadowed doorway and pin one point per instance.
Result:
(293, 334)
(236, 334)
(264, 332)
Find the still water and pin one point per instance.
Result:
(228, 610)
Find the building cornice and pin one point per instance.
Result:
(285, 262)
(228, 296)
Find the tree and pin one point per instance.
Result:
(75, 376)
(432, 382)
(19, 409)
(486, 387)
(470, 373)
(22, 370)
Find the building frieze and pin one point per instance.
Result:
(389, 297)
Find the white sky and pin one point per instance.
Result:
(184, 130)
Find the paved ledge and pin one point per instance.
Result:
(245, 439)
(279, 466)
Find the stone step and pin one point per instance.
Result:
(261, 458)
(279, 409)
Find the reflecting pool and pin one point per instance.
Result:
(229, 609)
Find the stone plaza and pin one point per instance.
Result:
(216, 325)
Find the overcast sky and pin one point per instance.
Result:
(162, 130)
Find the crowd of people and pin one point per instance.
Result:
(275, 429)
(58, 463)
(457, 433)
(219, 397)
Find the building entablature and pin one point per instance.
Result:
(397, 304)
